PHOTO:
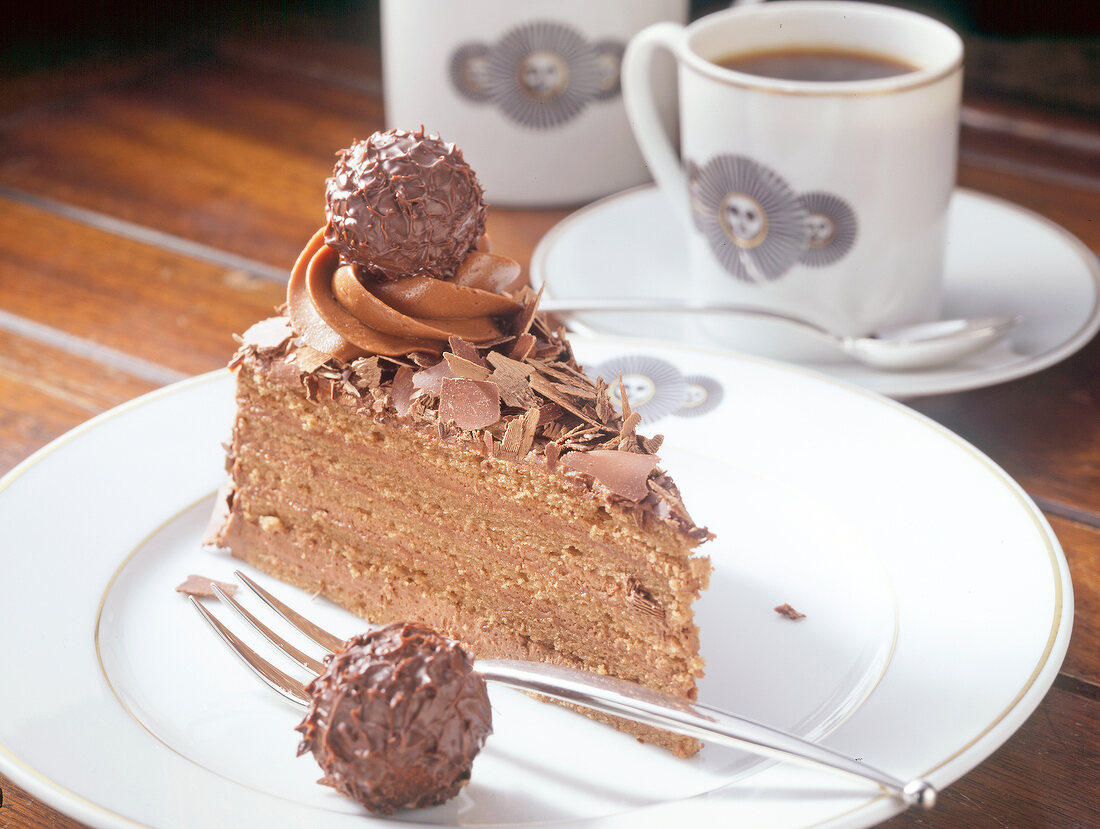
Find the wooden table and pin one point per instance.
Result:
(151, 206)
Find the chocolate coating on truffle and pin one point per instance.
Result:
(397, 718)
(404, 204)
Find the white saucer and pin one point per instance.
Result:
(1001, 259)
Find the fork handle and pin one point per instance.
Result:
(640, 704)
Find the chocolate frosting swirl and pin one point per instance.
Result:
(396, 719)
(339, 310)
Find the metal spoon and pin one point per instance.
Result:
(911, 346)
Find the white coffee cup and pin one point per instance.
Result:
(530, 91)
(825, 200)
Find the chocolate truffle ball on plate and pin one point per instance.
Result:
(396, 719)
(404, 204)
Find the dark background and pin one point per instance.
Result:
(1044, 53)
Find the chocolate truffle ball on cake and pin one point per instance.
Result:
(403, 203)
(414, 441)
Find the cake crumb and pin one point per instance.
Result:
(199, 587)
(270, 523)
(789, 612)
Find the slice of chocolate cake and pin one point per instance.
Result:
(415, 442)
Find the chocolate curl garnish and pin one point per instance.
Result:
(334, 312)
(624, 473)
(199, 586)
(403, 390)
(470, 404)
(268, 335)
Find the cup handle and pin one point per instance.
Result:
(641, 108)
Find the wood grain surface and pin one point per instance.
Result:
(150, 208)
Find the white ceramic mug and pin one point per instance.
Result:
(824, 200)
(529, 90)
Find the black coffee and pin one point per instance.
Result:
(804, 64)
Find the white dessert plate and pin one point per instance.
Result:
(897, 540)
(1001, 260)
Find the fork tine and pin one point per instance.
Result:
(303, 659)
(318, 634)
(290, 688)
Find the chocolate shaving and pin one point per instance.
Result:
(469, 404)
(431, 379)
(368, 372)
(419, 359)
(623, 402)
(551, 391)
(522, 321)
(513, 437)
(624, 473)
(462, 367)
(402, 390)
(522, 346)
(670, 496)
(789, 612)
(552, 452)
(530, 431)
(270, 334)
(604, 410)
(546, 352)
(285, 372)
(520, 435)
(550, 412)
(309, 382)
(643, 600)
(199, 587)
(627, 435)
(578, 384)
(511, 376)
(309, 359)
(506, 365)
(465, 350)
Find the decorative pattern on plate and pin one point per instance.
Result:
(832, 229)
(701, 395)
(655, 388)
(540, 74)
(755, 223)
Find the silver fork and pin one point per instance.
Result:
(600, 693)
